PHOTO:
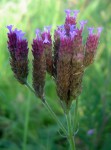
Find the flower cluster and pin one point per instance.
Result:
(71, 56)
(66, 62)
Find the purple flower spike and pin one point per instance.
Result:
(99, 30)
(46, 39)
(91, 30)
(10, 28)
(82, 23)
(75, 13)
(67, 11)
(18, 49)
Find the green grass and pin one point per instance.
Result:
(95, 100)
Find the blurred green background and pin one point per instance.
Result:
(95, 100)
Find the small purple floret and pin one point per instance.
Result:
(72, 27)
(62, 33)
(38, 33)
(61, 27)
(17, 31)
(46, 39)
(67, 11)
(72, 34)
(17, 45)
(91, 131)
(19, 34)
(10, 28)
(48, 28)
(75, 13)
(82, 24)
(99, 30)
(91, 29)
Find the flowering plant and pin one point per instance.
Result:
(65, 58)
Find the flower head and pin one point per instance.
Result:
(16, 43)
(91, 45)
(39, 64)
(18, 48)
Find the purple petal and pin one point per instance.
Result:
(46, 39)
(38, 32)
(90, 132)
(99, 30)
(67, 11)
(10, 28)
(62, 33)
(19, 33)
(72, 27)
(72, 34)
(61, 30)
(75, 13)
(82, 23)
(48, 28)
(91, 29)
(61, 27)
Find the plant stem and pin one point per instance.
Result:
(26, 122)
(29, 87)
(70, 132)
(76, 116)
(54, 116)
(49, 109)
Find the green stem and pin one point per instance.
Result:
(76, 116)
(70, 132)
(29, 87)
(54, 116)
(49, 109)
(26, 123)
